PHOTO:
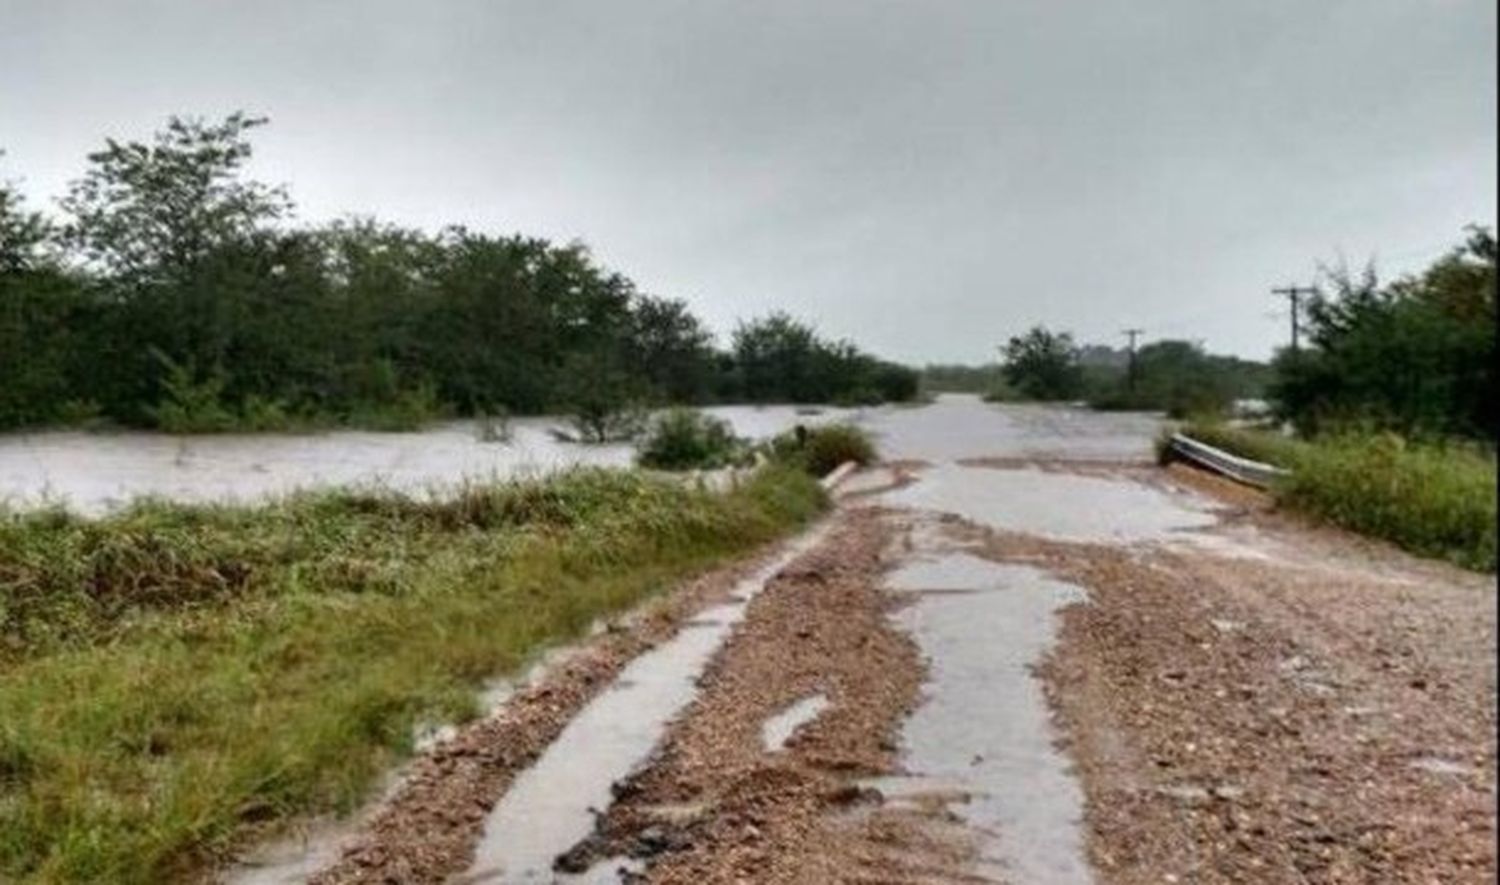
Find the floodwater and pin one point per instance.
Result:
(1061, 506)
(776, 731)
(93, 472)
(982, 742)
(982, 735)
(550, 807)
(962, 426)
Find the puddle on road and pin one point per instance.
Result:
(551, 806)
(777, 730)
(1061, 506)
(984, 730)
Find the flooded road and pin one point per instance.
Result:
(1021, 652)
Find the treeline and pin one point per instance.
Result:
(175, 292)
(1415, 356)
(1173, 376)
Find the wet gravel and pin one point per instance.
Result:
(426, 832)
(716, 805)
(1323, 715)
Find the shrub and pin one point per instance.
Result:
(820, 450)
(493, 426)
(684, 439)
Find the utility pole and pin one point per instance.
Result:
(1130, 371)
(1294, 295)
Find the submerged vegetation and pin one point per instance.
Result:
(821, 449)
(1431, 498)
(176, 678)
(685, 439)
(175, 292)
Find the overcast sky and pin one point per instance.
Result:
(926, 177)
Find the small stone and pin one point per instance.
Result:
(1186, 793)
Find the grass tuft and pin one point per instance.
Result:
(1433, 499)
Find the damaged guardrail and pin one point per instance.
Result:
(1249, 472)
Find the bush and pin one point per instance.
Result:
(820, 450)
(684, 439)
(493, 425)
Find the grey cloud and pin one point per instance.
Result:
(926, 178)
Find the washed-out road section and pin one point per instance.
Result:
(1021, 652)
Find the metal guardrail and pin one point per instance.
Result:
(1249, 472)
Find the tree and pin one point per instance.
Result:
(22, 232)
(145, 210)
(671, 348)
(1043, 365)
(39, 306)
(1415, 356)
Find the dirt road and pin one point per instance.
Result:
(1018, 654)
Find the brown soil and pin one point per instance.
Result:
(715, 805)
(426, 832)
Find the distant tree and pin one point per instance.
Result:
(671, 348)
(776, 357)
(176, 293)
(1043, 365)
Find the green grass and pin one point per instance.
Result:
(173, 678)
(1432, 499)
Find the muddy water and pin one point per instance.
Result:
(1061, 506)
(777, 730)
(982, 735)
(93, 472)
(550, 807)
(961, 426)
(982, 742)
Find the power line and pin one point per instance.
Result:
(1294, 295)
(1130, 371)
